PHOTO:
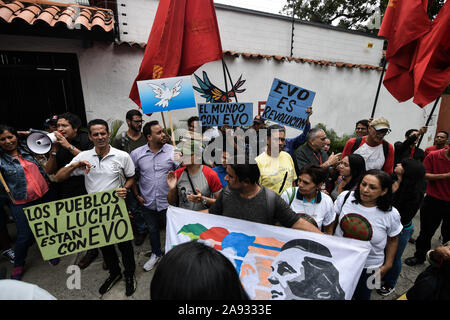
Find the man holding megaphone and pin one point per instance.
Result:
(70, 141)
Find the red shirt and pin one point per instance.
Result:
(388, 161)
(211, 177)
(37, 187)
(436, 162)
(431, 149)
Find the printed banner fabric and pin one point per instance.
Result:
(275, 262)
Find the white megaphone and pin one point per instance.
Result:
(40, 142)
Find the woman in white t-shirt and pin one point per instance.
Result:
(308, 201)
(367, 214)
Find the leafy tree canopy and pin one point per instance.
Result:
(350, 14)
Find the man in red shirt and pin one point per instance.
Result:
(440, 140)
(377, 152)
(436, 205)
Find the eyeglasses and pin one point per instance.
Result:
(138, 121)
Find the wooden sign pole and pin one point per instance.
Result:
(171, 128)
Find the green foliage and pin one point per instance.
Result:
(114, 126)
(337, 143)
(348, 14)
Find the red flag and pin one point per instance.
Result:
(405, 22)
(184, 36)
(432, 64)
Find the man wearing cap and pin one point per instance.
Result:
(50, 124)
(377, 152)
(194, 186)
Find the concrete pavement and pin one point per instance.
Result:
(54, 278)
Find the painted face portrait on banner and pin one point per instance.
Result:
(298, 272)
(274, 262)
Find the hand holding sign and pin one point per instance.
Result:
(288, 104)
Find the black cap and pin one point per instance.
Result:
(51, 121)
(258, 120)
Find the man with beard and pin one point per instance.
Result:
(153, 161)
(128, 141)
(245, 199)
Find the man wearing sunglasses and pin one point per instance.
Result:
(377, 152)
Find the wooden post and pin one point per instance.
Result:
(164, 120)
(171, 128)
(7, 189)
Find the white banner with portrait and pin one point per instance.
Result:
(275, 262)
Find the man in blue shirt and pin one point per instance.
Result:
(153, 161)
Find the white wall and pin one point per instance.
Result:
(263, 33)
(343, 95)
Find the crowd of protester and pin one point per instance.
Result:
(256, 174)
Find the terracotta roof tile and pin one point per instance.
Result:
(248, 55)
(70, 16)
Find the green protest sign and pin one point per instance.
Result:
(77, 224)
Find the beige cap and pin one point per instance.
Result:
(380, 124)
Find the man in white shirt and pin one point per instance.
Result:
(105, 168)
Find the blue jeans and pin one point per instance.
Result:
(151, 219)
(391, 277)
(362, 292)
(25, 236)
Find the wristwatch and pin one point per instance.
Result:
(204, 201)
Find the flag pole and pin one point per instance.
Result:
(379, 87)
(231, 81)
(429, 119)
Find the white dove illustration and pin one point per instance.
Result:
(165, 94)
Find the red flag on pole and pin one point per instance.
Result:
(404, 22)
(184, 36)
(432, 61)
